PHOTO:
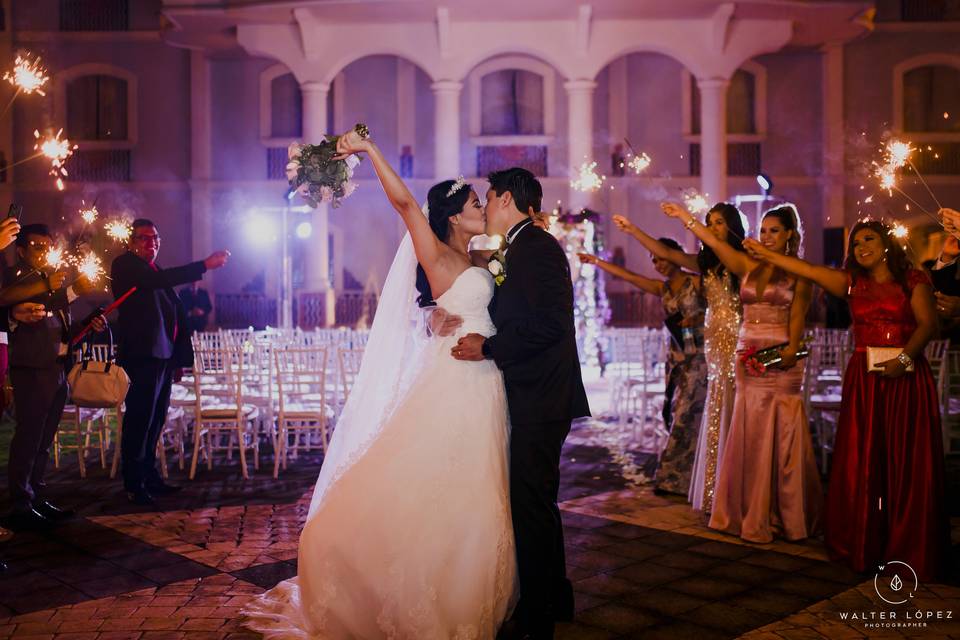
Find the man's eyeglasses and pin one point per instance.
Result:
(147, 239)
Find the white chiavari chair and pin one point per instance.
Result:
(301, 374)
(219, 409)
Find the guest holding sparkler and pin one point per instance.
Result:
(886, 495)
(154, 341)
(39, 359)
(768, 484)
(686, 388)
(721, 290)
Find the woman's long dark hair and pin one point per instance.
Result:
(897, 260)
(707, 259)
(441, 209)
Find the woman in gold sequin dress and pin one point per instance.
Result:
(768, 484)
(722, 326)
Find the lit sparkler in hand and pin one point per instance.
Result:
(638, 164)
(587, 178)
(28, 76)
(119, 230)
(695, 202)
(89, 214)
(55, 257)
(899, 231)
(91, 267)
(57, 149)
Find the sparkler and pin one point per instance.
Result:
(55, 257)
(639, 162)
(695, 202)
(90, 266)
(89, 214)
(57, 149)
(897, 155)
(28, 76)
(899, 231)
(119, 230)
(587, 178)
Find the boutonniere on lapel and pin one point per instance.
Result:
(497, 266)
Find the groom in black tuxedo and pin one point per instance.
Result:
(535, 347)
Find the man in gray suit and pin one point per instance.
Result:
(39, 357)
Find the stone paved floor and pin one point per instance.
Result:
(643, 566)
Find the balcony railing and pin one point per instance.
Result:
(490, 159)
(94, 15)
(743, 159)
(99, 165)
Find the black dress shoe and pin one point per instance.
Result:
(53, 512)
(141, 498)
(163, 489)
(28, 520)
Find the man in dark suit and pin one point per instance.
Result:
(154, 341)
(39, 357)
(536, 348)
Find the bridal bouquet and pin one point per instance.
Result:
(317, 176)
(757, 361)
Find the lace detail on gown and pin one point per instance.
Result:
(413, 539)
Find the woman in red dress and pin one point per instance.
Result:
(886, 495)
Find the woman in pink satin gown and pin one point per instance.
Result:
(768, 483)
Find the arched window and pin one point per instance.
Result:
(286, 107)
(97, 108)
(511, 103)
(931, 99)
(741, 104)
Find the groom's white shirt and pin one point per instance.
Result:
(511, 237)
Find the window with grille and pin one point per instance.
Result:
(94, 15)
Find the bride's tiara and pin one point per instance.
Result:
(459, 184)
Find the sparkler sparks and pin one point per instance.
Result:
(587, 178)
(695, 202)
(28, 76)
(119, 230)
(55, 257)
(57, 149)
(89, 214)
(91, 267)
(639, 163)
(899, 231)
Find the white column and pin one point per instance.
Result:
(318, 261)
(713, 137)
(580, 133)
(446, 95)
(833, 138)
(201, 211)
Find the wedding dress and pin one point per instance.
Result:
(409, 533)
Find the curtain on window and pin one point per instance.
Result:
(511, 103)
(97, 108)
(286, 107)
(929, 93)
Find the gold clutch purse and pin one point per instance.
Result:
(876, 355)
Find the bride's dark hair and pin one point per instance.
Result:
(441, 209)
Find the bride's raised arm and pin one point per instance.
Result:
(425, 242)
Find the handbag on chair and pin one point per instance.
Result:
(98, 384)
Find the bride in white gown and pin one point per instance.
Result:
(409, 531)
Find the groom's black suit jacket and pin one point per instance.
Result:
(536, 345)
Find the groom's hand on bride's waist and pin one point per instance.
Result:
(469, 347)
(443, 323)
